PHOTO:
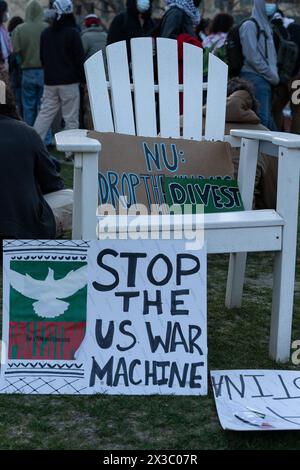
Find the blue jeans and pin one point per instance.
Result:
(263, 94)
(32, 92)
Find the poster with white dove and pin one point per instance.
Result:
(48, 291)
(109, 316)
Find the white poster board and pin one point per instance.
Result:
(115, 317)
(257, 400)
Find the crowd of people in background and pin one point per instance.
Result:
(44, 54)
(42, 59)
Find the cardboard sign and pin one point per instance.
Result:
(215, 195)
(135, 167)
(257, 400)
(115, 317)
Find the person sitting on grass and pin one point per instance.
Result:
(28, 178)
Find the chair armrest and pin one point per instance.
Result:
(76, 140)
(254, 134)
(287, 140)
(283, 139)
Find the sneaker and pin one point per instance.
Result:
(69, 157)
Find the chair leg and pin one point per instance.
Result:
(77, 211)
(246, 181)
(235, 280)
(89, 200)
(282, 304)
(285, 260)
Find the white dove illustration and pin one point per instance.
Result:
(48, 292)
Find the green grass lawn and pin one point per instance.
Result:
(237, 339)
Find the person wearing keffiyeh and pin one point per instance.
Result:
(181, 17)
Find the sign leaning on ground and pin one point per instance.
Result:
(257, 400)
(115, 317)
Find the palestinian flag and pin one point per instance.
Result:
(48, 302)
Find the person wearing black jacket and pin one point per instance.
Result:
(288, 29)
(181, 17)
(134, 22)
(62, 57)
(27, 174)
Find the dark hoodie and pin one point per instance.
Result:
(259, 52)
(126, 25)
(62, 53)
(26, 36)
(26, 174)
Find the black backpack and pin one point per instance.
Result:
(287, 56)
(233, 48)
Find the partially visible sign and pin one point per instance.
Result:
(114, 316)
(257, 400)
(215, 195)
(135, 167)
(2, 92)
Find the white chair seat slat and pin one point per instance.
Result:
(98, 93)
(143, 80)
(216, 99)
(167, 65)
(121, 97)
(225, 220)
(193, 92)
(243, 219)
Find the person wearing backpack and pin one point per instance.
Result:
(260, 58)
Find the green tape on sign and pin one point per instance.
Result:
(215, 195)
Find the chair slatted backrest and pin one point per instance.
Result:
(131, 108)
(98, 95)
(193, 92)
(144, 91)
(216, 98)
(167, 71)
(120, 88)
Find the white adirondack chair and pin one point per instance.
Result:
(235, 232)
